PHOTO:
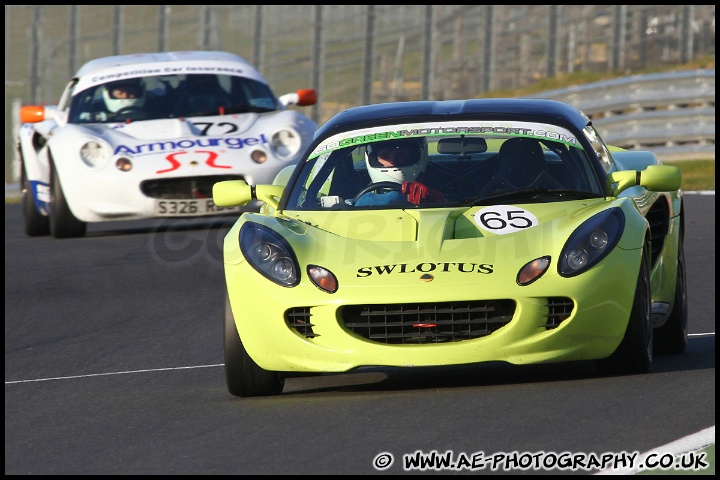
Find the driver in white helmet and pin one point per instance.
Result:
(123, 95)
(400, 161)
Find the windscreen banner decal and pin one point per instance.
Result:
(164, 68)
(484, 128)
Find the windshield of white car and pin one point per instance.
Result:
(454, 170)
(171, 96)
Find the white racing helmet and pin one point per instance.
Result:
(132, 86)
(418, 158)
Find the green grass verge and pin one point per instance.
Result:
(696, 174)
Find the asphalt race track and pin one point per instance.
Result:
(113, 365)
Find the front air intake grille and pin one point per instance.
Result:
(299, 319)
(559, 309)
(183, 188)
(658, 217)
(422, 323)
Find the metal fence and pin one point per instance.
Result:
(670, 113)
(358, 54)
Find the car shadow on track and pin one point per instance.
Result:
(699, 355)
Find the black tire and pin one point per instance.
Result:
(672, 336)
(36, 224)
(635, 352)
(244, 377)
(63, 223)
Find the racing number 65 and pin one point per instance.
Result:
(493, 221)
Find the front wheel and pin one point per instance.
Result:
(635, 352)
(63, 223)
(672, 336)
(244, 377)
(36, 224)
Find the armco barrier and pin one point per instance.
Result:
(672, 113)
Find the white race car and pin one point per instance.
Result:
(148, 135)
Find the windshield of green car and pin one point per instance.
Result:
(444, 164)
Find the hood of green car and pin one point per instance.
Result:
(445, 246)
(439, 225)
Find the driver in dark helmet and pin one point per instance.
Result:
(399, 161)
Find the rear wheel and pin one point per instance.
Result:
(634, 354)
(244, 377)
(36, 224)
(63, 223)
(672, 336)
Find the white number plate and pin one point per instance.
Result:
(189, 208)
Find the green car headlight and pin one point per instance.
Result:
(269, 254)
(591, 242)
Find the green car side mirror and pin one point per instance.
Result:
(237, 193)
(657, 178)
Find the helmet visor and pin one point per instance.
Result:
(123, 91)
(395, 154)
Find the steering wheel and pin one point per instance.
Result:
(126, 111)
(379, 186)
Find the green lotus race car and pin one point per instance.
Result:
(432, 233)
